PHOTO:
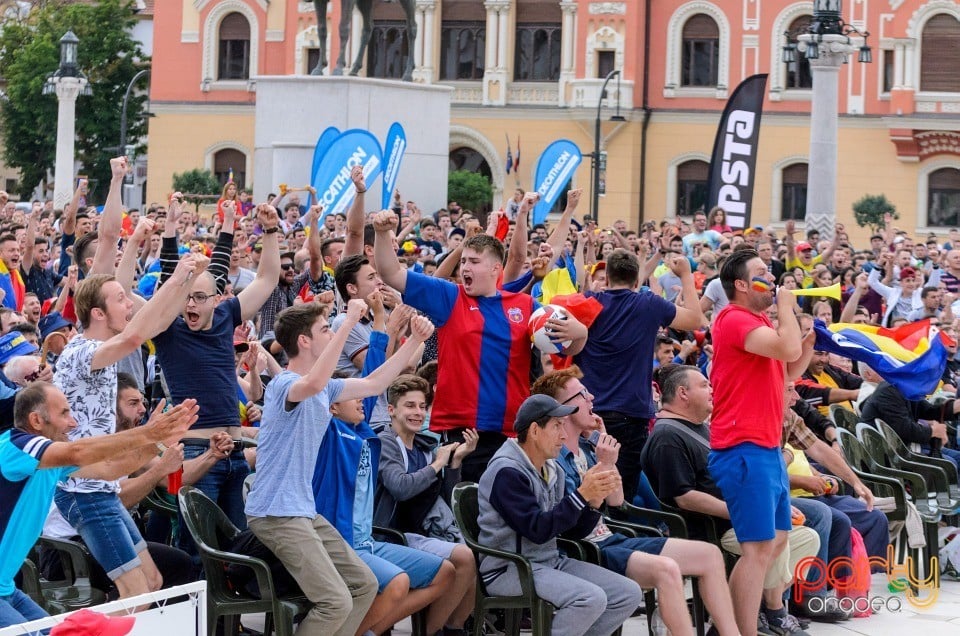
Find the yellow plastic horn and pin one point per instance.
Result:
(833, 291)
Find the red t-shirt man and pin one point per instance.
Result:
(747, 388)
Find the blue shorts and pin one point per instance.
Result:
(105, 527)
(754, 484)
(615, 551)
(388, 560)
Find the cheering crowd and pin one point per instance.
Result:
(322, 377)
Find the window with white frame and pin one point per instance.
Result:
(700, 51)
(233, 51)
(793, 192)
(940, 54)
(943, 198)
(692, 177)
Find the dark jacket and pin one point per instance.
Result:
(888, 404)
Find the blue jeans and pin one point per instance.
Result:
(223, 484)
(19, 608)
(106, 528)
(833, 527)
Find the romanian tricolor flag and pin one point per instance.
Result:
(906, 357)
(12, 285)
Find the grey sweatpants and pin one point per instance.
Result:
(589, 599)
(331, 575)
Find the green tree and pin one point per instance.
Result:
(194, 182)
(470, 189)
(869, 211)
(107, 54)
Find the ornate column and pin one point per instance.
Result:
(822, 175)
(67, 90)
(568, 48)
(898, 65)
(426, 41)
(496, 73)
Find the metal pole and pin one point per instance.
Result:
(595, 207)
(123, 111)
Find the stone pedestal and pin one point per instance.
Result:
(67, 89)
(292, 111)
(824, 120)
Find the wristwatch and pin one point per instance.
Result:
(272, 230)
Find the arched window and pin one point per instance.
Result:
(230, 160)
(692, 186)
(537, 47)
(794, 193)
(798, 72)
(463, 40)
(389, 47)
(940, 55)
(943, 197)
(701, 51)
(234, 51)
(466, 158)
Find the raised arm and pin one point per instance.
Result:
(559, 234)
(377, 382)
(268, 273)
(407, 230)
(859, 289)
(68, 224)
(388, 265)
(26, 262)
(223, 249)
(517, 252)
(791, 229)
(690, 316)
(163, 427)
(127, 269)
(834, 244)
(783, 343)
(322, 370)
(111, 222)
(355, 216)
(155, 316)
(314, 243)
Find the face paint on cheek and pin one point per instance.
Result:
(760, 284)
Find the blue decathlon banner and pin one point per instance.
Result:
(335, 189)
(393, 151)
(556, 166)
(324, 141)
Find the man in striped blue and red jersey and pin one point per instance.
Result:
(484, 342)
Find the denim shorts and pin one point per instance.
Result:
(389, 560)
(105, 527)
(754, 484)
(615, 551)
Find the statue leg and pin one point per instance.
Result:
(366, 10)
(320, 7)
(410, 8)
(346, 7)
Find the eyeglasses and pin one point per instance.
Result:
(286, 266)
(198, 297)
(581, 393)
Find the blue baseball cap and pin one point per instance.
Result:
(14, 344)
(52, 322)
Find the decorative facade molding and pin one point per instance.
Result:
(918, 145)
(778, 68)
(776, 184)
(675, 54)
(606, 38)
(923, 186)
(211, 37)
(671, 211)
(210, 153)
(607, 8)
(200, 5)
(915, 31)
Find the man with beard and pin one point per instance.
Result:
(37, 277)
(751, 363)
(196, 350)
(87, 375)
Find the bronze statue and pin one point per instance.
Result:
(366, 11)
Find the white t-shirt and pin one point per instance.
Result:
(92, 396)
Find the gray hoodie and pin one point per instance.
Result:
(524, 512)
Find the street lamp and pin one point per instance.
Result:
(826, 43)
(67, 83)
(128, 182)
(597, 159)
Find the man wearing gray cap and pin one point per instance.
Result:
(523, 508)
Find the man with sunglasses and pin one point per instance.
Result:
(197, 351)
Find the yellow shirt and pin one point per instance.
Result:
(827, 381)
(793, 263)
(799, 467)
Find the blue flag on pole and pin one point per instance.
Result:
(393, 151)
(916, 378)
(335, 189)
(554, 169)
